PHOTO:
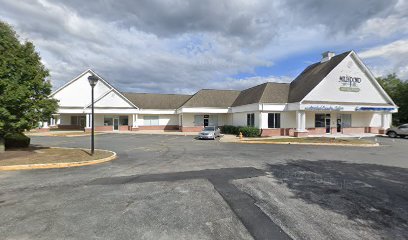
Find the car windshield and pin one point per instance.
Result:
(209, 129)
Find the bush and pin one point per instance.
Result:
(228, 129)
(250, 131)
(16, 140)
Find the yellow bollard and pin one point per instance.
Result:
(240, 135)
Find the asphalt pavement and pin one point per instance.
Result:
(177, 187)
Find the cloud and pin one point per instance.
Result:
(388, 58)
(182, 46)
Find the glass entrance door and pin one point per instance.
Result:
(115, 123)
(339, 124)
(327, 123)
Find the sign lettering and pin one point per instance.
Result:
(349, 84)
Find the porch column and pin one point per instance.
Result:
(88, 121)
(51, 121)
(134, 124)
(384, 123)
(300, 121)
(300, 124)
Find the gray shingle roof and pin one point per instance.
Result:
(269, 92)
(212, 98)
(311, 76)
(157, 101)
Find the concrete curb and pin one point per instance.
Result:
(59, 165)
(313, 144)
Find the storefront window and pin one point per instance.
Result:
(346, 120)
(320, 120)
(123, 120)
(108, 121)
(198, 120)
(273, 120)
(151, 120)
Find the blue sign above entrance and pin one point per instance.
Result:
(375, 109)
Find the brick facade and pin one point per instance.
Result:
(163, 127)
(300, 134)
(70, 127)
(191, 129)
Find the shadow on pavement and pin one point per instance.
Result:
(373, 193)
(254, 219)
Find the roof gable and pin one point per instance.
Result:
(113, 99)
(212, 98)
(77, 92)
(349, 82)
(312, 76)
(80, 88)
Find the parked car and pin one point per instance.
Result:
(209, 132)
(401, 131)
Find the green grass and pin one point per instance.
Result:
(318, 140)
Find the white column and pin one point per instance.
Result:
(134, 118)
(45, 125)
(300, 121)
(260, 121)
(383, 121)
(88, 121)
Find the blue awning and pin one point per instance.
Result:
(385, 109)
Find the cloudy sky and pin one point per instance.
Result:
(179, 46)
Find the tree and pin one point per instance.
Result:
(24, 88)
(398, 91)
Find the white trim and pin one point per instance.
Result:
(203, 110)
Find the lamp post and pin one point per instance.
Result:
(92, 81)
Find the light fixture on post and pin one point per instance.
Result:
(93, 80)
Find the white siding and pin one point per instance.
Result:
(78, 93)
(328, 89)
(113, 100)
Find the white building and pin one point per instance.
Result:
(337, 94)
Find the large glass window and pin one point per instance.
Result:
(78, 120)
(74, 120)
(320, 120)
(199, 120)
(151, 120)
(108, 121)
(124, 120)
(346, 120)
(251, 119)
(273, 120)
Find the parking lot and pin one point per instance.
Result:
(177, 187)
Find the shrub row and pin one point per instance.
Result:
(16, 140)
(246, 131)
(228, 129)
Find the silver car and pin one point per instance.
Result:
(401, 131)
(209, 132)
